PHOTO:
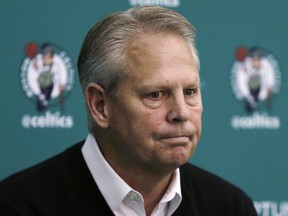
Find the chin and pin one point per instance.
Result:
(178, 159)
(167, 165)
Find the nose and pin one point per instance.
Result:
(178, 109)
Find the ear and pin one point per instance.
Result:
(97, 104)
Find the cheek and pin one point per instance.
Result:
(150, 121)
(136, 119)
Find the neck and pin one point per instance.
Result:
(149, 180)
(152, 188)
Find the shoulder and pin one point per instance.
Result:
(196, 178)
(213, 193)
(201, 177)
(61, 185)
(43, 186)
(41, 183)
(52, 167)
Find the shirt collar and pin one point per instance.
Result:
(173, 193)
(118, 189)
(104, 175)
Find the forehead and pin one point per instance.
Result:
(157, 46)
(160, 55)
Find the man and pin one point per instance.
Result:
(139, 74)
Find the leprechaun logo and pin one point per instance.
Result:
(46, 77)
(256, 81)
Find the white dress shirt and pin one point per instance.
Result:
(121, 198)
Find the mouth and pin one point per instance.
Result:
(176, 140)
(176, 137)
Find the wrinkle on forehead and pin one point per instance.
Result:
(145, 50)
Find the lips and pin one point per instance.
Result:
(173, 138)
(176, 140)
(176, 136)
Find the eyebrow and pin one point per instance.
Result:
(146, 87)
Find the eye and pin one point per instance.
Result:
(154, 95)
(190, 92)
(192, 96)
(157, 95)
(155, 99)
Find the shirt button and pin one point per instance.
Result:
(132, 195)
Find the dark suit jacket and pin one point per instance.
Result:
(63, 185)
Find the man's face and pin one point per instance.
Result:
(156, 118)
(48, 58)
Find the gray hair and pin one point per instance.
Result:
(103, 56)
